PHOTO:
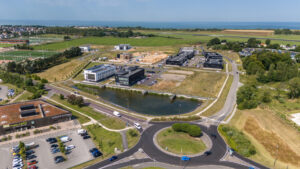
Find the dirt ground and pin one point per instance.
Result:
(181, 72)
(172, 77)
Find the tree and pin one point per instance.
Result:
(266, 96)
(268, 42)
(62, 97)
(297, 58)
(252, 42)
(75, 100)
(247, 97)
(214, 41)
(294, 88)
(67, 38)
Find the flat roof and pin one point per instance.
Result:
(129, 71)
(98, 68)
(11, 113)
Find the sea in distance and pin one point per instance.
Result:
(176, 25)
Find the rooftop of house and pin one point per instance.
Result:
(29, 110)
(126, 72)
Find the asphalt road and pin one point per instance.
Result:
(218, 150)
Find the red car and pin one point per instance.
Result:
(32, 167)
(32, 162)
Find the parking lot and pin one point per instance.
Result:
(45, 158)
(3, 92)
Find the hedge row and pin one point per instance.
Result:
(192, 130)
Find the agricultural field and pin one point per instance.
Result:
(20, 55)
(3, 45)
(152, 41)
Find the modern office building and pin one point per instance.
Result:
(129, 76)
(179, 59)
(30, 114)
(99, 72)
(213, 60)
(85, 48)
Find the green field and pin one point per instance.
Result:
(179, 142)
(24, 54)
(153, 41)
(6, 45)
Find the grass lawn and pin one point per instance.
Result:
(179, 141)
(62, 71)
(132, 140)
(205, 84)
(23, 97)
(110, 122)
(105, 140)
(153, 41)
(220, 103)
(24, 54)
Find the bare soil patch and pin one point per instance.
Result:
(249, 32)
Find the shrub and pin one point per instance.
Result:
(132, 133)
(192, 130)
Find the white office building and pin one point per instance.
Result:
(123, 47)
(85, 48)
(99, 72)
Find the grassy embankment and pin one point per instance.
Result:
(132, 136)
(179, 142)
(109, 122)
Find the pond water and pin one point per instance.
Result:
(146, 104)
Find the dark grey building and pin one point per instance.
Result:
(129, 76)
(213, 60)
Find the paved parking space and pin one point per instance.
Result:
(44, 156)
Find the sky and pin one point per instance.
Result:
(152, 10)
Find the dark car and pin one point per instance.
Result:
(86, 137)
(207, 153)
(213, 136)
(49, 139)
(84, 134)
(59, 159)
(54, 146)
(55, 150)
(30, 157)
(95, 152)
(113, 158)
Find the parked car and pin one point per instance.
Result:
(81, 131)
(51, 140)
(65, 139)
(55, 150)
(185, 158)
(59, 159)
(113, 158)
(95, 152)
(70, 147)
(30, 157)
(137, 125)
(86, 137)
(54, 146)
(19, 165)
(117, 114)
(32, 167)
(31, 162)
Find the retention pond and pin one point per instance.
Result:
(149, 104)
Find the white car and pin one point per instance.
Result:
(117, 114)
(17, 160)
(137, 125)
(70, 147)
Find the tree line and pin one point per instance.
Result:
(286, 32)
(100, 32)
(40, 64)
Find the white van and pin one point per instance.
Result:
(117, 114)
(81, 131)
(137, 125)
(65, 139)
